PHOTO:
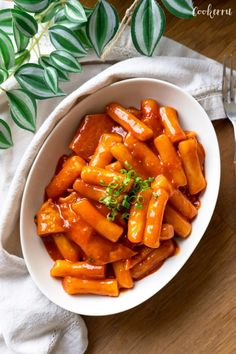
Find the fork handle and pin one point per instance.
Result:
(234, 126)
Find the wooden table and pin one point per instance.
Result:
(195, 313)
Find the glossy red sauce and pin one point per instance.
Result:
(69, 216)
(60, 163)
(51, 248)
(194, 199)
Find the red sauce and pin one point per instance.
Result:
(60, 163)
(177, 248)
(194, 199)
(51, 248)
(84, 144)
(109, 271)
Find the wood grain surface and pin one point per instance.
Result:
(196, 312)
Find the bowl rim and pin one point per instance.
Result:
(155, 290)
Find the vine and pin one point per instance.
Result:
(74, 31)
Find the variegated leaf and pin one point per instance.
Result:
(46, 61)
(74, 11)
(5, 135)
(32, 5)
(22, 109)
(6, 51)
(102, 25)
(64, 39)
(65, 61)
(22, 57)
(20, 39)
(147, 26)
(25, 23)
(6, 21)
(51, 78)
(31, 78)
(179, 8)
(3, 75)
(48, 13)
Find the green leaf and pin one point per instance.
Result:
(48, 13)
(21, 57)
(23, 109)
(3, 75)
(74, 11)
(60, 15)
(179, 8)
(31, 78)
(32, 5)
(20, 39)
(88, 11)
(82, 35)
(102, 25)
(147, 26)
(68, 24)
(6, 51)
(51, 78)
(5, 135)
(46, 61)
(65, 61)
(6, 21)
(25, 23)
(61, 19)
(63, 38)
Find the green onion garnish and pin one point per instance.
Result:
(114, 193)
(102, 182)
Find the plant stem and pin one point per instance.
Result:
(39, 52)
(34, 42)
(36, 52)
(124, 23)
(37, 39)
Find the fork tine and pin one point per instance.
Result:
(224, 81)
(232, 93)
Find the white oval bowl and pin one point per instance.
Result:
(128, 93)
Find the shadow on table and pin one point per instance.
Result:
(193, 310)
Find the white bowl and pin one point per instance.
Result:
(128, 93)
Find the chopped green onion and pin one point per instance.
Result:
(113, 185)
(132, 199)
(127, 165)
(125, 202)
(125, 216)
(111, 216)
(116, 193)
(137, 179)
(102, 182)
(138, 206)
(140, 199)
(128, 177)
(114, 190)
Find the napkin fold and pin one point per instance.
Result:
(29, 322)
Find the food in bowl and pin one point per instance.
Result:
(115, 204)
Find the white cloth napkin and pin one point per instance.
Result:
(29, 323)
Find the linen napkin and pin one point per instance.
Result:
(29, 322)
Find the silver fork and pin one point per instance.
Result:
(229, 101)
